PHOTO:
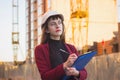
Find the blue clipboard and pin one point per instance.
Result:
(81, 62)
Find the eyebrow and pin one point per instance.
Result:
(54, 20)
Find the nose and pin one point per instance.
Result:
(57, 25)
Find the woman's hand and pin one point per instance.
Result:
(71, 59)
(71, 71)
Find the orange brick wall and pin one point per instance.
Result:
(106, 46)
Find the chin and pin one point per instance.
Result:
(58, 34)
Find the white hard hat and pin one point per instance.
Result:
(48, 14)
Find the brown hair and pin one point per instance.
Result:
(45, 36)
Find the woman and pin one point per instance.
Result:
(51, 58)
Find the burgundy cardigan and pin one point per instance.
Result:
(44, 66)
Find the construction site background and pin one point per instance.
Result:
(104, 67)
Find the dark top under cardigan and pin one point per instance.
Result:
(42, 58)
(56, 55)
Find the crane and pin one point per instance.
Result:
(79, 23)
(15, 31)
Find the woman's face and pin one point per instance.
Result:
(55, 28)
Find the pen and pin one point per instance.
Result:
(64, 51)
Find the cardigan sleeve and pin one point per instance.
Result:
(41, 59)
(83, 74)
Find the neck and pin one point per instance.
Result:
(55, 38)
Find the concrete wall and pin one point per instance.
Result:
(104, 67)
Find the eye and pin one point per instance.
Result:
(59, 22)
(52, 24)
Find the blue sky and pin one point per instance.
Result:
(6, 53)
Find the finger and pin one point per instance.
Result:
(70, 69)
(73, 55)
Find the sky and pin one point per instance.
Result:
(118, 8)
(6, 49)
(6, 53)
